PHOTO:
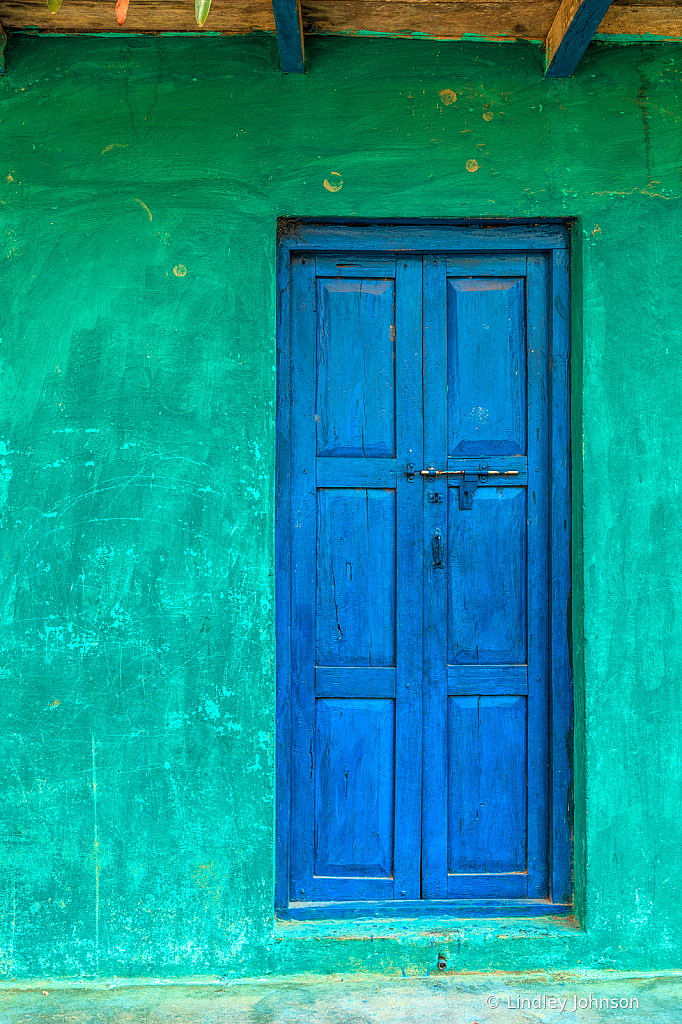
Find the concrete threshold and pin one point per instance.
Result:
(447, 998)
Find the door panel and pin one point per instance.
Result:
(355, 408)
(487, 577)
(356, 558)
(486, 366)
(354, 788)
(486, 784)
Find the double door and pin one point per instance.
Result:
(419, 533)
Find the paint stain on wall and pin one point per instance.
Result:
(472, 165)
(448, 97)
(180, 270)
(145, 207)
(336, 184)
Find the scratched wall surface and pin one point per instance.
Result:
(140, 183)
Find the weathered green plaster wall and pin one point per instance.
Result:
(140, 183)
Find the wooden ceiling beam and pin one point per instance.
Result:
(289, 35)
(231, 17)
(565, 28)
(574, 26)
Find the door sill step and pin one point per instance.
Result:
(422, 908)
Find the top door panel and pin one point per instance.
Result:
(355, 400)
(486, 366)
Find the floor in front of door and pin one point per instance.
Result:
(445, 998)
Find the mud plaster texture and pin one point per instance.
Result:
(448, 999)
(140, 184)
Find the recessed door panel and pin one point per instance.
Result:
(354, 788)
(486, 366)
(356, 570)
(355, 402)
(487, 577)
(486, 784)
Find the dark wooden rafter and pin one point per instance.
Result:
(289, 35)
(3, 46)
(574, 26)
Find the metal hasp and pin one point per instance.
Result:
(470, 481)
(289, 35)
(572, 30)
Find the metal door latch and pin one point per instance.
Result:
(470, 481)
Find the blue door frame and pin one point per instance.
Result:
(430, 258)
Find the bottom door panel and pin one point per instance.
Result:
(487, 796)
(486, 784)
(354, 798)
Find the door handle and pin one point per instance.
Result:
(437, 549)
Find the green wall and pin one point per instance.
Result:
(140, 185)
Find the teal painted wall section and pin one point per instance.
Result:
(140, 185)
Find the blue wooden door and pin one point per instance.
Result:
(356, 568)
(419, 539)
(486, 666)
